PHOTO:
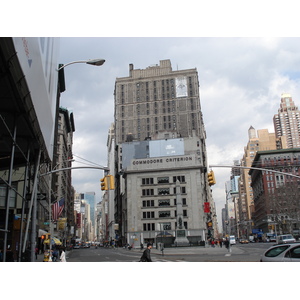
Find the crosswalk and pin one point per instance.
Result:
(165, 260)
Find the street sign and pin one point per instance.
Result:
(40, 196)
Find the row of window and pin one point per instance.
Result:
(162, 214)
(162, 191)
(165, 226)
(12, 198)
(162, 202)
(165, 179)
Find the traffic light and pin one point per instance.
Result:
(111, 182)
(104, 186)
(211, 178)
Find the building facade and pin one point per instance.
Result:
(157, 99)
(62, 181)
(287, 123)
(259, 140)
(276, 194)
(160, 138)
(150, 204)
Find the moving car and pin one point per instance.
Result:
(289, 252)
(244, 241)
(286, 238)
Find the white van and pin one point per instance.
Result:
(232, 240)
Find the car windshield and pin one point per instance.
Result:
(273, 252)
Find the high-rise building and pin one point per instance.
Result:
(261, 141)
(160, 143)
(156, 100)
(287, 123)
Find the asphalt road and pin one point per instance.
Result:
(239, 253)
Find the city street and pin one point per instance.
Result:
(239, 253)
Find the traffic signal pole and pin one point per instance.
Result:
(253, 168)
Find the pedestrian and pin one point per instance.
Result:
(146, 254)
(63, 255)
(213, 243)
(142, 246)
(55, 255)
(226, 243)
(220, 242)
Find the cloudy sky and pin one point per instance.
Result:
(241, 79)
(241, 82)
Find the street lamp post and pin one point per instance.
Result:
(93, 62)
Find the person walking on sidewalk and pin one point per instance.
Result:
(146, 254)
(63, 255)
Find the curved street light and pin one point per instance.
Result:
(93, 62)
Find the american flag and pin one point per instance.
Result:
(57, 209)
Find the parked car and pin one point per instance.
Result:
(289, 252)
(286, 238)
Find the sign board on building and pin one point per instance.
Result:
(38, 59)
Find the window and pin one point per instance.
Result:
(149, 227)
(276, 251)
(148, 203)
(13, 195)
(182, 190)
(164, 191)
(148, 192)
(163, 180)
(165, 226)
(148, 214)
(147, 181)
(164, 202)
(164, 214)
(180, 178)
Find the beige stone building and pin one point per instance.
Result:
(157, 99)
(261, 140)
(160, 137)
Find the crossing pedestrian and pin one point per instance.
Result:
(146, 254)
(63, 255)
